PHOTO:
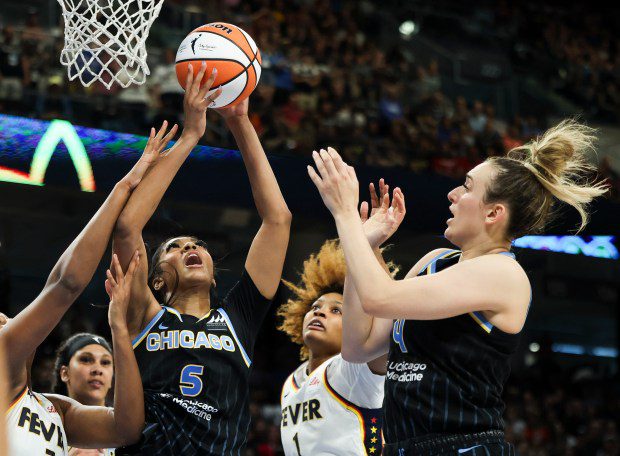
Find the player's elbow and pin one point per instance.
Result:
(371, 303)
(374, 296)
(71, 284)
(282, 217)
(67, 283)
(128, 435)
(353, 355)
(125, 225)
(128, 439)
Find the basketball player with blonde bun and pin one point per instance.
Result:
(451, 326)
(329, 405)
(195, 353)
(46, 424)
(84, 369)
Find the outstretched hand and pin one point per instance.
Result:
(336, 182)
(118, 287)
(196, 101)
(385, 218)
(155, 145)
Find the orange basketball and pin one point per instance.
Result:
(229, 49)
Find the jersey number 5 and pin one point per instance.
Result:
(191, 383)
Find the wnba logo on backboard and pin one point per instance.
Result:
(59, 130)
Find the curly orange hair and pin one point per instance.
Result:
(323, 273)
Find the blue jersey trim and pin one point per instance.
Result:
(174, 312)
(244, 355)
(433, 263)
(435, 259)
(478, 316)
(147, 328)
(482, 321)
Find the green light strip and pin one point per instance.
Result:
(15, 177)
(61, 130)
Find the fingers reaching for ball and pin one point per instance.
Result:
(196, 101)
(198, 88)
(202, 93)
(336, 181)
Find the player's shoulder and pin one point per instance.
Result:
(500, 265)
(300, 371)
(338, 366)
(427, 259)
(62, 404)
(297, 377)
(293, 382)
(355, 383)
(244, 289)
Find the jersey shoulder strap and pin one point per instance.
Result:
(429, 268)
(140, 337)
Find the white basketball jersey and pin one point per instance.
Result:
(34, 426)
(336, 410)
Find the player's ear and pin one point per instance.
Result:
(158, 283)
(64, 374)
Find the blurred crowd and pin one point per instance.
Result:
(325, 81)
(317, 88)
(579, 50)
(567, 421)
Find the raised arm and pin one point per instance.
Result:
(265, 259)
(365, 339)
(68, 278)
(146, 198)
(493, 283)
(102, 427)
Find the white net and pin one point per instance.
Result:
(105, 40)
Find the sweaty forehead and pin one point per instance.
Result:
(181, 240)
(331, 298)
(94, 349)
(481, 172)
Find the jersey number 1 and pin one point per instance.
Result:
(296, 440)
(191, 383)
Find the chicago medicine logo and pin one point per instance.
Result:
(216, 321)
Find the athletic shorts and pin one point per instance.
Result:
(489, 443)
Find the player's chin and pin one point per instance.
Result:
(194, 275)
(449, 234)
(312, 335)
(94, 395)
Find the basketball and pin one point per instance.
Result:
(229, 49)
